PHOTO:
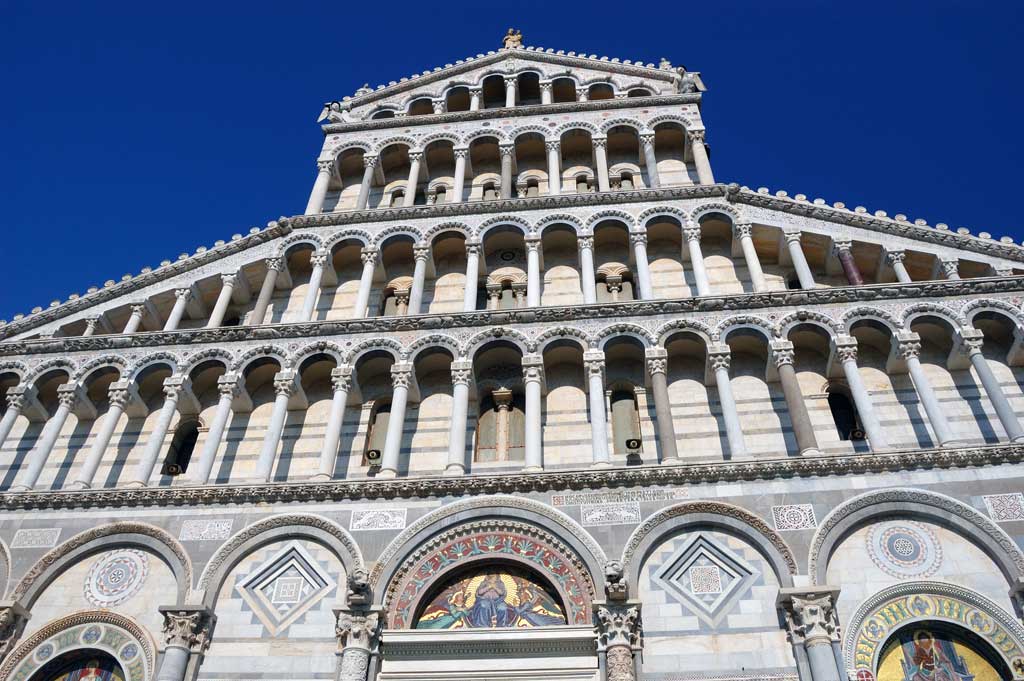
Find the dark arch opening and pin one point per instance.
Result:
(844, 414)
(182, 446)
(84, 665)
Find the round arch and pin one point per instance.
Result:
(919, 504)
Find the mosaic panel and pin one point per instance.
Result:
(43, 538)
(794, 517)
(492, 599)
(706, 577)
(285, 587)
(378, 519)
(1003, 507)
(904, 549)
(115, 577)
(205, 530)
(926, 655)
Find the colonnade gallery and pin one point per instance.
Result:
(525, 393)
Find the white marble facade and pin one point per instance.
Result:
(522, 328)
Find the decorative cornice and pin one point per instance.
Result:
(519, 483)
(871, 293)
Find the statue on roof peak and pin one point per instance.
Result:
(512, 39)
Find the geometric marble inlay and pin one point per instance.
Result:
(116, 577)
(1003, 507)
(284, 588)
(794, 517)
(904, 549)
(706, 576)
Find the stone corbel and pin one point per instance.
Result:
(716, 353)
(778, 351)
(297, 400)
(414, 386)
(188, 403)
(241, 403)
(839, 345)
(13, 618)
(959, 358)
(902, 343)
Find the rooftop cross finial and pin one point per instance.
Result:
(513, 39)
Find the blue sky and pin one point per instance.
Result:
(133, 132)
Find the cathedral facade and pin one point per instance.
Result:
(525, 393)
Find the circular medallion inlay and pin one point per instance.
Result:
(129, 652)
(116, 577)
(904, 549)
(91, 635)
(44, 652)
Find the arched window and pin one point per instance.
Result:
(626, 181)
(532, 188)
(639, 92)
(397, 198)
(441, 194)
(500, 427)
(625, 420)
(81, 665)
(376, 433)
(935, 650)
(583, 185)
(490, 193)
(421, 107)
(183, 444)
(384, 113)
(495, 597)
(844, 414)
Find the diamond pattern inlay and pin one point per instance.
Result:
(285, 587)
(706, 577)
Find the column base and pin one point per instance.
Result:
(19, 488)
(533, 469)
(810, 451)
(601, 464)
(78, 485)
(673, 461)
(952, 444)
(134, 484)
(386, 474)
(320, 477)
(454, 469)
(1017, 440)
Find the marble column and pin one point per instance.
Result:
(972, 344)
(323, 178)
(601, 161)
(439, 105)
(472, 276)
(462, 376)
(650, 159)
(460, 174)
(950, 268)
(181, 299)
(14, 617)
(319, 260)
(846, 353)
(585, 242)
(135, 319)
(358, 636)
(582, 94)
(186, 632)
(895, 259)
(546, 93)
(744, 234)
(90, 326)
(700, 156)
(220, 308)
(284, 387)
(719, 358)
(844, 251)
(475, 96)
(909, 347)
(118, 396)
(415, 158)
(173, 388)
(420, 256)
(533, 278)
(17, 398)
(796, 252)
(503, 403)
(507, 152)
(518, 295)
(554, 148)
(401, 377)
(803, 429)
(510, 91)
(700, 273)
(657, 367)
(341, 383)
(228, 386)
(593, 362)
(369, 258)
(814, 626)
(619, 633)
(275, 266)
(493, 296)
(643, 268)
(533, 377)
(68, 397)
(369, 166)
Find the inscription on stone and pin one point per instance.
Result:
(205, 530)
(378, 519)
(36, 539)
(622, 513)
(637, 495)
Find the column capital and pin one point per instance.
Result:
(460, 152)
(647, 137)
(810, 614)
(581, 93)
(908, 344)
(546, 85)
(229, 384)
(845, 348)
(599, 142)
(971, 340)
(842, 246)
(341, 378)
(585, 241)
(692, 234)
(275, 262)
(119, 394)
(20, 395)
(695, 136)
(439, 105)
(533, 368)
(175, 385)
(140, 308)
(719, 357)
(228, 278)
(370, 160)
(325, 166)
(415, 156)
(532, 242)
(473, 247)
(284, 382)
(657, 360)
(510, 80)
(477, 90)
(187, 626)
(319, 258)
(893, 257)
(13, 618)
(183, 293)
(793, 237)
(593, 361)
(357, 628)
(368, 254)
(421, 252)
(742, 230)
(507, 149)
(618, 624)
(950, 267)
(782, 352)
(638, 238)
(553, 145)
(462, 372)
(401, 374)
(68, 395)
